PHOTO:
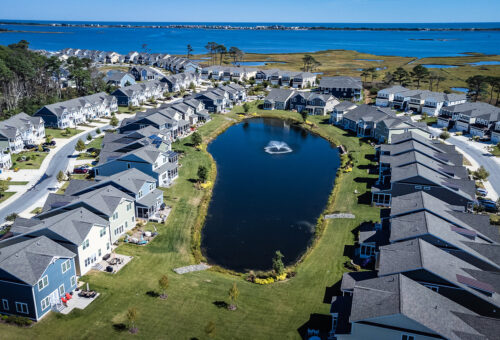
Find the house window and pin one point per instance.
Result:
(99, 252)
(44, 282)
(418, 187)
(129, 206)
(5, 304)
(61, 290)
(133, 219)
(128, 165)
(139, 194)
(103, 232)
(407, 337)
(45, 303)
(115, 216)
(73, 281)
(126, 224)
(66, 265)
(22, 307)
(107, 246)
(427, 188)
(85, 244)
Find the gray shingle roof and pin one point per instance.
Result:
(279, 95)
(341, 82)
(27, 260)
(430, 150)
(71, 226)
(369, 113)
(397, 294)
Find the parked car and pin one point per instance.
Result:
(482, 192)
(80, 170)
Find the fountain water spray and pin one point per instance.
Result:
(276, 148)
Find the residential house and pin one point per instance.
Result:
(342, 87)
(34, 275)
(385, 97)
(264, 75)
(395, 307)
(478, 118)
(213, 100)
(278, 99)
(142, 187)
(313, 103)
(303, 80)
(141, 73)
(469, 237)
(237, 93)
(337, 115)
(113, 205)
(151, 155)
(120, 79)
(363, 119)
(416, 177)
(131, 57)
(443, 273)
(81, 231)
(495, 133)
(20, 130)
(395, 125)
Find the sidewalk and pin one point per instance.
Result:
(32, 176)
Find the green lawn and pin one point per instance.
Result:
(264, 312)
(96, 143)
(495, 151)
(36, 159)
(5, 195)
(14, 182)
(59, 133)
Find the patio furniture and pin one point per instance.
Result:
(68, 296)
(109, 269)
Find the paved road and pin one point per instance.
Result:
(49, 180)
(485, 159)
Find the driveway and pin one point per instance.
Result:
(59, 162)
(477, 153)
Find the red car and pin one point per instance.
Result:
(80, 170)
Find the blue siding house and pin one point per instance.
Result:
(34, 275)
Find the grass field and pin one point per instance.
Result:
(58, 133)
(264, 312)
(96, 143)
(5, 195)
(36, 159)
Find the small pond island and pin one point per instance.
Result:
(273, 181)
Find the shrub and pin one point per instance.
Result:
(352, 266)
(18, 320)
(444, 135)
(281, 277)
(265, 281)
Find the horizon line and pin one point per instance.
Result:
(265, 22)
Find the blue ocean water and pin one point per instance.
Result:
(174, 41)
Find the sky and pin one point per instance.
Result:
(325, 11)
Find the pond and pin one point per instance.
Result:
(483, 63)
(439, 66)
(273, 182)
(460, 89)
(257, 63)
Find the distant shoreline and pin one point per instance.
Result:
(276, 27)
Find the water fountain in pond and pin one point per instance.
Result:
(276, 148)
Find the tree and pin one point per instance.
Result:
(196, 138)
(163, 284)
(304, 115)
(233, 296)
(444, 135)
(114, 121)
(202, 173)
(373, 73)
(388, 78)
(439, 79)
(11, 217)
(494, 83)
(365, 75)
(132, 318)
(236, 54)
(189, 51)
(80, 146)
(309, 63)
(211, 47)
(400, 75)
(210, 329)
(419, 73)
(222, 50)
(481, 174)
(67, 131)
(278, 266)
(432, 79)
(246, 107)
(60, 176)
(89, 137)
(98, 131)
(477, 86)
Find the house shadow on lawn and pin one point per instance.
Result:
(332, 291)
(318, 325)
